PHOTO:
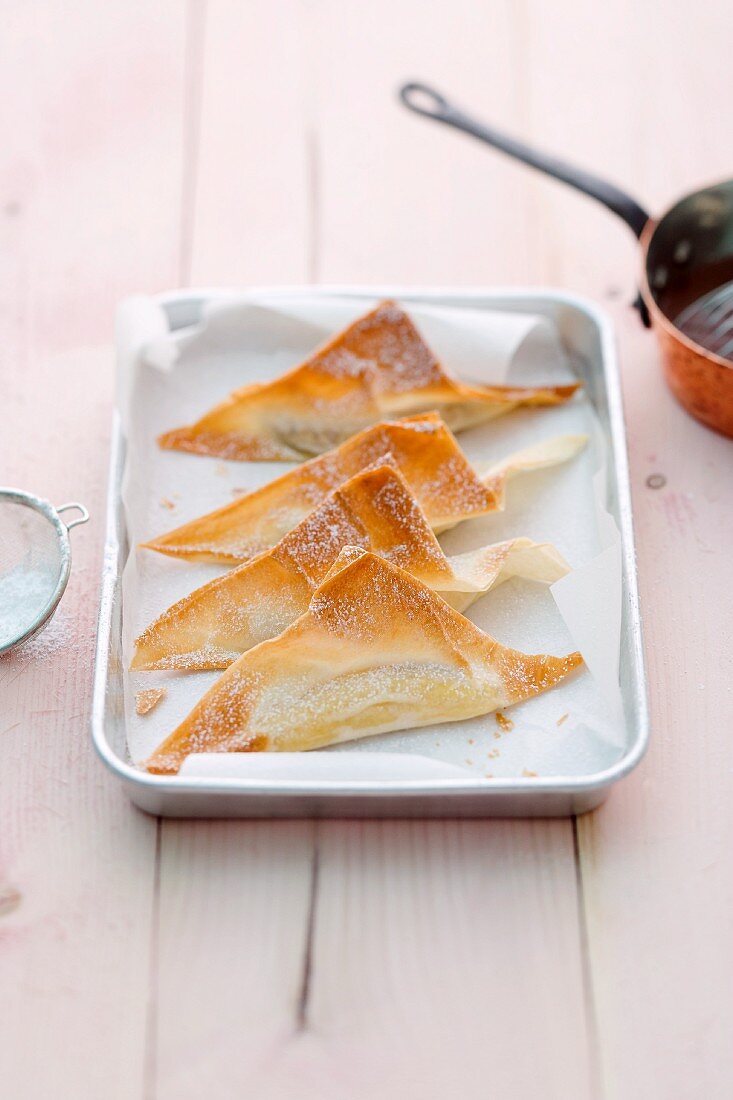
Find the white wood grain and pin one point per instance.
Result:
(90, 112)
(656, 861)
(229, 967)
(657, 879)
(250, 218)
(232, 926)
(435, 962)
(424, 959)
(419, 931)
(446, 962)
(402, 199)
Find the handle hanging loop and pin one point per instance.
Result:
(83, 518)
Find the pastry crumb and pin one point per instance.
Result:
(503, 722)
(148, 698)
(493, 753)
(528, 774)
(166, 502)
(239, 491)
(562, 718)
(469, 762)
(221, 469)
(471, 741)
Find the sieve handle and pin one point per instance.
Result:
(74, 522)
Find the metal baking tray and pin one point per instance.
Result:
(588, 336)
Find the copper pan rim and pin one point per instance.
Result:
(655, 312)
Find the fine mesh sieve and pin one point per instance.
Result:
(35, 561)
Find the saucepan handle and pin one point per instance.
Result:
(426, 101)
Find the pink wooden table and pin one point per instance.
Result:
(147, 145)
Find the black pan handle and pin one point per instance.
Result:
(426, 101)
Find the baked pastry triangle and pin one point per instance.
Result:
(374, 510)
(376, 369)
(376, 651)
(422, 448)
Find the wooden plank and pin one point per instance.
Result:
(418, 879)
(656, 875)
(77, 864)
(90, 112)
(415, 975)
(234, 909)
(251, 191)
(414, 988)
(232, 921)
(431, 963)
(402, 199)
(656, 861)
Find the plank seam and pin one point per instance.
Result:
(314, 204)
(301, 1014)
(589, 997)
(193, 83)
(150, 1059)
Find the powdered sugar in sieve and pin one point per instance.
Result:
(35, 561)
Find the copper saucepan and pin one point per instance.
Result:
(687, 273)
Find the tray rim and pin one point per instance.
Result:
(499, 787)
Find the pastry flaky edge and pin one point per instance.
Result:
(377, 650)
(375, 510)
(424, 450)
(377, 368)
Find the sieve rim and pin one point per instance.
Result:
(46, 509)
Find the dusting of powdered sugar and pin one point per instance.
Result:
(25, 593)
(384, 351)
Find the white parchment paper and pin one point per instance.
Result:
(169, 379)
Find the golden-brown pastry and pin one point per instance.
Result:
(147, 699)
(422, 448)
(375, 510)
(376, 650)
(376, 369)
